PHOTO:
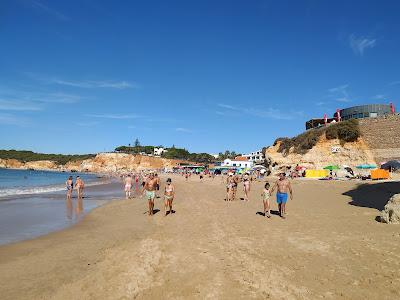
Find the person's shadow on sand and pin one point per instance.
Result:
(273, 212)
(373, 195)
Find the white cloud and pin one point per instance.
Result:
(87, 124)
(180, 129)
(340, 93)
(17, 105)
(270, 113)
(114, 116)
(96, 84)
(9, 119)
(39, 5)
(394, 82)
(359, 45)
(379, 97)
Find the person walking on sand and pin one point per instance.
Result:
(246, 186)
(169, 194)
(79, 186)
(69, 184)
(128, 186)
(158, 180)
(266, 194)
(283, 187)
(230, 184)
(149, 189)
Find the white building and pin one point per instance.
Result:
(238, 162)
(256, 157)
(159, 151)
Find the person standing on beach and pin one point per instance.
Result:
(149, 190)
(128, 186)
(266, 194)
(169, 194)
(70, 186)
(246, 186)
(79, 186)
(283, 187)
(158, 183)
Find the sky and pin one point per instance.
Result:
(87, 76)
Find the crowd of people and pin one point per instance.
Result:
(147, 185)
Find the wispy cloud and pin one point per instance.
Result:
(340, 93)
(42, 7)
(360, 44)
(394, 82)
(95, 84)
(17, 105)
(114, 116)
(379, 97)
(10, 119)
(270, 113)
(87, 124)
(180, 129)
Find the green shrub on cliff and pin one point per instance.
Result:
(346, 131)
(25, 156)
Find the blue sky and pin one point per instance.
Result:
(87, 76)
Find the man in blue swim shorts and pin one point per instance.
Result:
(283, 187)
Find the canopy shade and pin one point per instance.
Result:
(393, 164)
(366, 166)
(331, 168)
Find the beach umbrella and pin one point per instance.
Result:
(392, 164)
(366, 166)
(331, 168)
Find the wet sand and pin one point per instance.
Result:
(330, 246)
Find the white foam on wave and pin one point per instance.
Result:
(39, 190)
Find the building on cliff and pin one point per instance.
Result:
(355, 112)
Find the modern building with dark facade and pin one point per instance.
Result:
(365, 111)
(355, 112)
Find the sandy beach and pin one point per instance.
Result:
(330, 246)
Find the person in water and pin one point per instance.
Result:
(79, 186)
(169, 194)
(69, 184)
(283, 187)
(149, 190)
(128, 186)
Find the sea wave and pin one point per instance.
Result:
(40, 189)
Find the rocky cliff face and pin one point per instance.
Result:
(102, 163)
(120, 162)
(324, 153)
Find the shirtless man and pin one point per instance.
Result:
(158, 183)
(236, 183)
(283, 186)
(128, 186)
(149, 189)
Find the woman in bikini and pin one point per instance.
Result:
(79, 186)
(169, 194)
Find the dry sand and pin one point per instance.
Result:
(212, 249)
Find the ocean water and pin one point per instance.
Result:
(33, 203)
(22, 182)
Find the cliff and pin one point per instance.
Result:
(102, 163)
(379, 141)
(324, 153)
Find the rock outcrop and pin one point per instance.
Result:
(102, 163)
(391, 213)
(324, 153)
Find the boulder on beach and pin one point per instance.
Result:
(391, 213)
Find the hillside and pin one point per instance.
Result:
(378, 140)
(101, 163)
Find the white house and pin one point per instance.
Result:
(256, 157)
(238, 162)
(159, 151)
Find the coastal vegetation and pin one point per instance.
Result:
(26, 156)
(345, 131)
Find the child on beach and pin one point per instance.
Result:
(266, 194)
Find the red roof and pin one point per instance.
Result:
(241, 158)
